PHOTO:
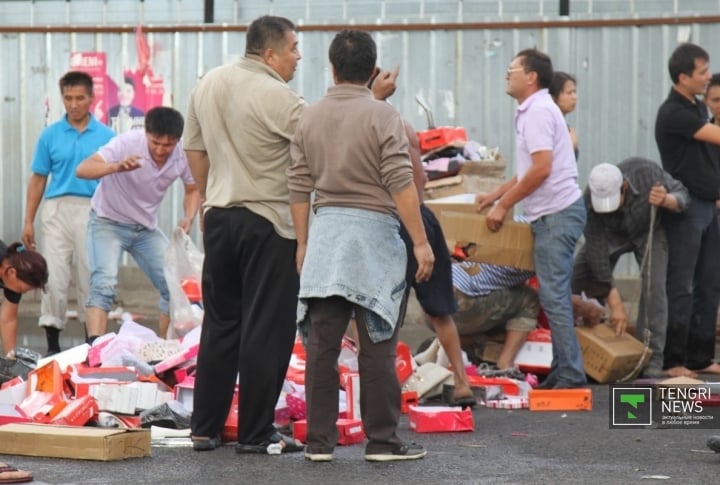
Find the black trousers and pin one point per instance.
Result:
(250, 286)
(693, 285)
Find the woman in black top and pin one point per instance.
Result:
(21, 270)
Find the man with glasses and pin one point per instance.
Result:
(546, 182)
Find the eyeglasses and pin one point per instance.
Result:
(511, 70)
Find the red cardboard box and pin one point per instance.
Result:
(47, 378)
(78, 412)
(230, 430)
(536, 353)
(350, 431)
(407, 399)
(351, 383)
(441, 136)
(297, 405)
(95, 351)
(11, 413)
(41, 406)
(560, 399)
(440, 419)
(177, 359)
(403, 362)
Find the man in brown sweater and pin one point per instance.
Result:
(353, 152)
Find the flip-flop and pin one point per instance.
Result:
(15, 476)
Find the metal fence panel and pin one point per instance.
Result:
(621, 72)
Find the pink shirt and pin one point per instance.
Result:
(540, 126)
(134, 197)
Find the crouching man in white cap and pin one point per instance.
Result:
(621, 202)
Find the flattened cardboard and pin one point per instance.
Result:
(512, 245)
(79, 443)
(606, 357)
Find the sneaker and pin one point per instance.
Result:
(318, 457)
(408, 451)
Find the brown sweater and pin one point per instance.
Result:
(352, 150)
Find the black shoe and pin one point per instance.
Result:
(206, 444)
(407, 451)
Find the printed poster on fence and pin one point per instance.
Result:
(122, 103)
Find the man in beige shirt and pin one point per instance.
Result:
(237, 135)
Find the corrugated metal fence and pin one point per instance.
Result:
(455, 60)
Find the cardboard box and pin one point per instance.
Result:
(12, 413)
(350, 431)
(440, 137)
(474, 177)
(77, 412)
(80, 443)
(536, 353)
(178, 359)
(440, 419)
(560, 399)
(444, 187)
(351, 383)
(608, 358)
(512, 245)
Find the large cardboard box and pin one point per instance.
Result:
(80, 443)
(474, 177)
(607, 357)
(512, 245)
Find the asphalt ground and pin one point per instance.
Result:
(506, 447)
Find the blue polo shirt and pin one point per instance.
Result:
(60, 150)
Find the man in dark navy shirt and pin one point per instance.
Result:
(686, 141)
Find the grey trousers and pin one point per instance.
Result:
(652, 311)
(379, 386)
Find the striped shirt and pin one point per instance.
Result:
(480, 279)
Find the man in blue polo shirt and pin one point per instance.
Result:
(687, 142)
(64, 217)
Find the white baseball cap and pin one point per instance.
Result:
(605, 182)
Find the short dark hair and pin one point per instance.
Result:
(267, 32)
(129, 80)
(76, 78)
(538, 62)
(164, 121)
(353, 55)
(682, 60)
(30, 266)
(558, 83)
(714, 81)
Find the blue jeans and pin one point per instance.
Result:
(693, 285)
(555, 239)
(106, 241)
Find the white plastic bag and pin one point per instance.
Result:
(183, 264)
